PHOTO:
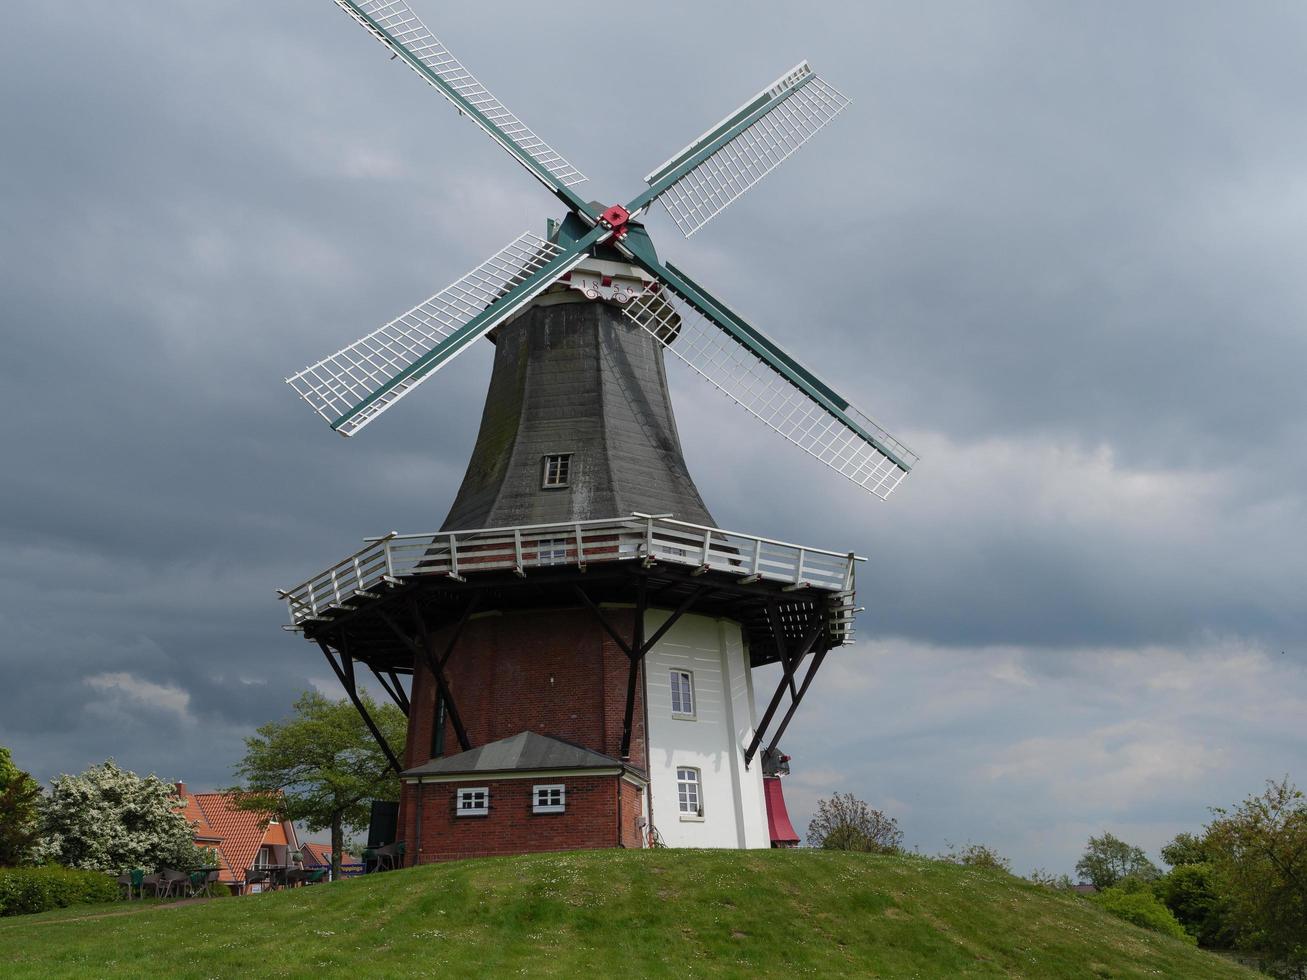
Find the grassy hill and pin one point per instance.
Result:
(605, 913)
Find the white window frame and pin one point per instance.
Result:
(690, 809)
(562, 465)
(469, 793)
(688, 675)
(552, 551)
(550, 789)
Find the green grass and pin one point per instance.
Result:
(605, 913)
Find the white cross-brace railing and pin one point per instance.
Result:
(387, 560)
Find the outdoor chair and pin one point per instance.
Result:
(390, 857)
(155, 883)
(125, 886)
(177, 883)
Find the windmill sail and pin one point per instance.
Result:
(395, 25)
(353, 386)
(755, 373)
(708, 175)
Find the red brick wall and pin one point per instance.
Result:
(632, 809)
(590, 821)
(554, 672)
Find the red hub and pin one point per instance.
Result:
(615, 219)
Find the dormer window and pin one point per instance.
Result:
(557, 470)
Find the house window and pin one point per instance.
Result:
(682, 694)
(474, 802)
(689, 794)
(551, 551)
(557, 470)
(548, 799)
(264, 858)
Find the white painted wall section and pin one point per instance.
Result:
(712, 741)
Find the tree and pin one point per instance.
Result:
(1108, 859)
(20, 801)
(977, 856)
(1190, 892)
(109, 819)
(321, 766)
(845, 823)
(1185, 849)
(1258, 853)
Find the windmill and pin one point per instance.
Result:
(579, 601)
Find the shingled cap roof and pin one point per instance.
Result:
(523, 752)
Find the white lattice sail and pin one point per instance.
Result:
(786, 114)
(341, 388)
(769, 396)
(395, 25)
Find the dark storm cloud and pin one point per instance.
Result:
(1056, 249)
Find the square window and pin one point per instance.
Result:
(557, 470)
(551, 551)
(474, 802)
(548, 799)
(689, 796)
(682, 683)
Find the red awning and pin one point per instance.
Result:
(778, 818)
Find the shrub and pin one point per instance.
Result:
(108, 818)
(27, 890)
(846, 823)
(1143, 909)
(977, 856)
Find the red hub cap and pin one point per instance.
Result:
(615, 218)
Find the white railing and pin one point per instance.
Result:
(386, 561)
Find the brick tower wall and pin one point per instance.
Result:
(553, 672)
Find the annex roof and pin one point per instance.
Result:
(523, 752)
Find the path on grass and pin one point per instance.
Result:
(17, 920)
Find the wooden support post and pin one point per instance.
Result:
(778, 633)
(603, 621)
(393, 690)
(805, 645)
(817, 658)
(345, 673)
(633, 673)
(423, 651)
(399, 689)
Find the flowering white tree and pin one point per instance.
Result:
(109, 819)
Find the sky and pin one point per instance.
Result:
(1056, 249)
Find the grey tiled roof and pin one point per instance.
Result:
(523, 751)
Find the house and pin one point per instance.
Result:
(240, 837)
(315, 856)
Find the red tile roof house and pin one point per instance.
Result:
(317, 856)
(238, 836)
